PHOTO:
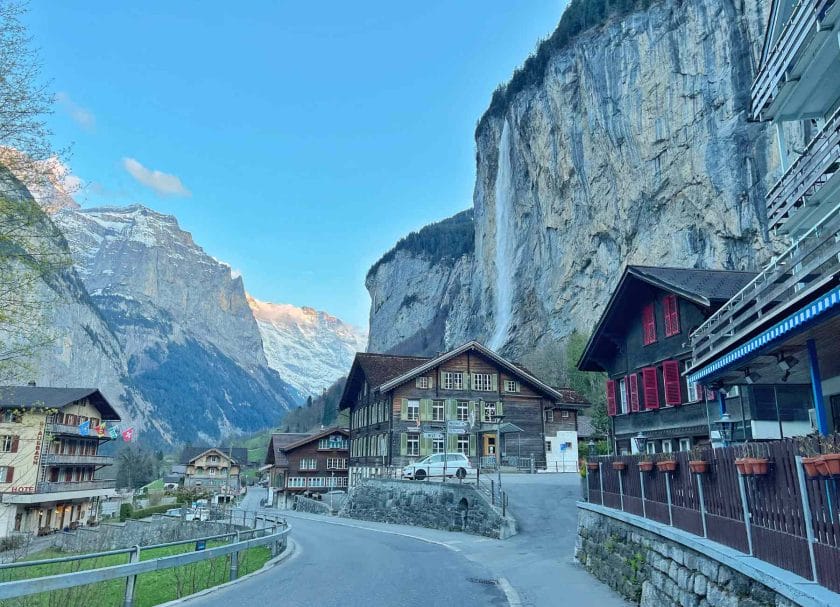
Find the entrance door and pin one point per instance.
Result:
(489, 444)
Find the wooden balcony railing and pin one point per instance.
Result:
(789, 280)
(805, 177)
(55, 428)
(61, 486)
(806, 16)
(77, 459)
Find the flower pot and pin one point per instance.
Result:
(744, 466)
(698, 466)
(822, 466)
(645, 466)
(592, 466)
(832, 463)
(620, 466)
(668, 465)
(760, 465)
(810, 465)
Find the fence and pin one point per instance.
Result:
(273, 533)
(783, 516)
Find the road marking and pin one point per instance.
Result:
(511, 594)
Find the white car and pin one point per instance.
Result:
(452, 464)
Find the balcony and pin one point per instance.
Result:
(798, 197)
(76, 460)
(66, 486)
(802, 272)
(801, 54)
(57, 429)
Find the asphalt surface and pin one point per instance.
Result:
(359, 563)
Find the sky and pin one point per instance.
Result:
(296, 141)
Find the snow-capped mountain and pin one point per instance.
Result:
(308, 348)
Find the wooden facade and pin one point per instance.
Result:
(313, 463)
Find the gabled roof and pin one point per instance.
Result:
(572, 397)
(313, 437)
(31, 397)
(237, 454)
(376, 369)
(275, 454)
(705, 288)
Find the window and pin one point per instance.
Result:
(648, 324)
(463, 444)
(685, 444)
(672, 316)
(213, 459)
(549, 415)
(611, 397)
(413, 445)
(9, 444)
(423, 382)
(667, 446)
(548, 446)
(650, 447)
(437, 445)
(489, 412)
(671, 377)
(211, 471)
(316, 481)
(10, 417)
(650, 385)
(297, 481)
(335, 441)
(336, 463)
(565, 414)
(437, 410)
(308, 463)
(453, 380)
(413, 410)
(7, 474)
(511, 385)
(462, 412)
(622, 392)
(482, 382)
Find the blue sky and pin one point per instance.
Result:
(297, 141)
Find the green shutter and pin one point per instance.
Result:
(403, 443)
(480, 411)
(494, 381)
(425, 446)
(472, 410)
(452, 443)
(403, 409)
(451, 409)
(425, 409)
(472, 444)
(500, 408)
(467, 381)
(432, 380)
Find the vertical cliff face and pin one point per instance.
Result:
(632, 147)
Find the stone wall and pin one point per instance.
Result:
(448, 506)
(304, 504)
(143, 532)
(653, 571)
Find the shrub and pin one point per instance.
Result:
(126, 510)
(144, 512)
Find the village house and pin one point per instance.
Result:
(641, 342)
(400, 406)
(783, 326)
(306, 463)
(50, 457)
(214, 469)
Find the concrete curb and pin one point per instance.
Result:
(290, 551)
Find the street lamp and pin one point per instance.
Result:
(641, 442)
(726, 426)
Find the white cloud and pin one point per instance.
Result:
(162, 183)
(81, 115)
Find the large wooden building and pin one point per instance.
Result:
(642, 343)
(399, 407)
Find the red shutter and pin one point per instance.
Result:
(634, 392)
(671, 377)
(10, 473)
(610, 397)
(674, 315)
(651, 387)
(15, 443)
(649, 324)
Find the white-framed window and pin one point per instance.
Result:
(482, 382)
(11, 417)
(694, 393)
(511, 385)
(489, 412)
(213, 459)
(667, 446)
(423, 382)
(308, 463)
(685, 444)
(464, 444)
(549, 415)
(413, 445)
(453, 380)
(336, 463)
(437, 445)
(650, 447)
(412, 412)
(437, 410)
(297, 481)
(565, 414)
(211, 471)
(317, 481)
(336, 441)
(622, 390)
(6, 443)
(462, 411)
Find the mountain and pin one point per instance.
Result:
(309, 349)
(625, 141)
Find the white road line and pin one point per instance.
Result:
(511, 594)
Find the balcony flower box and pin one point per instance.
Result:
(698, 466)
(593, 466)
(646, 466)
(829, 464)
(759, 465)
(744, 466)
(667, 465)
(620, 466)
(811, 465)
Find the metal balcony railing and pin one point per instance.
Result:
(81, 460)
(804, 20)
(56, 487)
(805, 177)
(790, 279)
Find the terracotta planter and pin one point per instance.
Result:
(822, 466)
(810, 465)
(760, 465)
(592, 466)
(620, 466)
(645, 466)
(832, 463)
(698, 466)
(744, 466)
(669, 465)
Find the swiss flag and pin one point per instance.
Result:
(128, 435)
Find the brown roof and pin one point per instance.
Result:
(279, 441)
(379, 368)
(572, 397)
(308, 439)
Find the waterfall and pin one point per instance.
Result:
(504, 271)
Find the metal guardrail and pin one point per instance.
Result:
(276, 539)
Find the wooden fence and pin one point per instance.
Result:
(782, 517)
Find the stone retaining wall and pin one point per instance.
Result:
(449, 506)
(653, 571)
(304, 504)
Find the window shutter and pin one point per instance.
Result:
(431, 380)
(480, 411)
(403, 443)
(649, 324)
(452, 443)
(425, 409)
(672, 316)
(403, 409)
(451, 408)
(611, 397)
(472, 410)
(666, 316)
(494, 382)
(472, 444)
(10, 473)
(651, 387)
(500, 408)
(425, 445)
(634, 392)
(15, 443)
(671, 377)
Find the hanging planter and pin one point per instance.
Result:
(698, 466)
(831, 464)
(759, 465)
(646, 466)
(744, 466)
(593, 466)
(666, 465)
(811, 466)
(620, 466)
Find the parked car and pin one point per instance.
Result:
(176, 512)
(455, 465)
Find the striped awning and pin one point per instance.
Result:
(792, 324)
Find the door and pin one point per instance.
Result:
(489, 444)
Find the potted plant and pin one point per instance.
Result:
(645, 463)
(809, 446)
(759, 462)
(829, 462)
(619, 465)
(593, 466)
(744, 463)
(667, 462)
(697, 462)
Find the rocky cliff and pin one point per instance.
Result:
(627, 144)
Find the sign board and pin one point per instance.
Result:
(453, 425)
(200, 545)
(562, 446)
(433, 435)
(457, 431)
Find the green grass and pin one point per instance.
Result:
(151, 588)
(156, 485)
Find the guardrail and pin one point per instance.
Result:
(275, 531)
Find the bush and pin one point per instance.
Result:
(144, 512)
(126, 510)
(11, 542)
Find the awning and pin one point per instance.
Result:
(796, 322)
(509, 428)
